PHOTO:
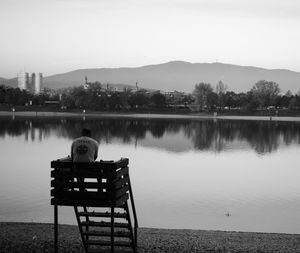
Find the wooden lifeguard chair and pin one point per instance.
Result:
(91, 188)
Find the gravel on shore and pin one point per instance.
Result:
(38, 238)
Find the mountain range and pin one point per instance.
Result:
(175, 75)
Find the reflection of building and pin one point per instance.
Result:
(34, 85)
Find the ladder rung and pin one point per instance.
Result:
(107, 233)
(104, 224)
(108, 251)
(107, 243)
(102, 214)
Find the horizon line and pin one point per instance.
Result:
(155, 64)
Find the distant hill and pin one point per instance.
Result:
(13, 82)
(181, 76)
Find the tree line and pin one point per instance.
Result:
(263, 95)
(14, 96)
(95, 97)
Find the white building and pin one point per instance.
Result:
(31, 85)
(23, 81)
(34, 85)
(38, 83)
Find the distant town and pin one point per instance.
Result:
(264, 98)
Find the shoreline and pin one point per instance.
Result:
(146, 116)
(38, 237)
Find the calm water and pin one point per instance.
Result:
(185, 174)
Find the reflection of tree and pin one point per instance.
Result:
(203, 135)
(263, 137)
(293, 135)
(157, 129)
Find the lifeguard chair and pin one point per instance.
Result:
(100, 193)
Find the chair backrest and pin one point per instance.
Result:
(97, 184)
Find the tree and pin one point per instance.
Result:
(231, 99)
(124, 96)
(249, 102)
(67, 100)
(284, 101)
(3, 89)
(138, 100)
(158, 100)
(80, 97)
(265, 93)
(221, 89)
(293, 103)
(203, 92)
(297, 96)
(95, 87)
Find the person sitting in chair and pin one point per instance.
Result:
(84, 148)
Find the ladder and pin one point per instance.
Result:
(106, 231)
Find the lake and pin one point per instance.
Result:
(194, 174)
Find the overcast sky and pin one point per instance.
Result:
(55, 36)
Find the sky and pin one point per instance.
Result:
(57, 36)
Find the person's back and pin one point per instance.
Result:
(84, 148)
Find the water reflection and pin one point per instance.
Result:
(261, 136)
(192, 189)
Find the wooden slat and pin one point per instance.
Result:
(120, 201)
(102, 214)
(121, 191)
(82, 202)
(66, 163)
(118, 164)
(78, 169)
(122, 172)
(102, 189)
(121, 182)
(120, 234)
(109, 251)
(83, 174)
(82, 195)
(107, 243)
(104, 224)
(65, 193)
(122, 162)
(90, 202)
(64, 159)
(72, 185)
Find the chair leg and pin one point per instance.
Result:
(55, 229)
(87, 220)
(112, 235)
(133, 239)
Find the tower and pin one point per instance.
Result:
(86, 84)
(31, 85)
(23, 81)
(38, 83)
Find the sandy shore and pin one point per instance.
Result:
(145, 116)
(38, 238)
